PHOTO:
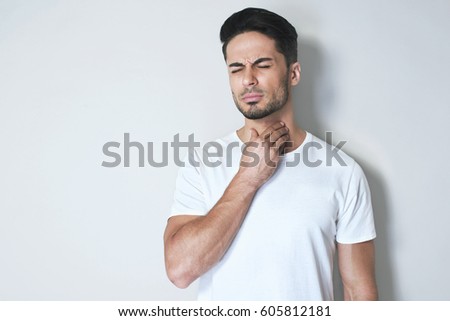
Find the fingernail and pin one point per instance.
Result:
(282, 124)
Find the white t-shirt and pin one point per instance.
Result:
(285, 247)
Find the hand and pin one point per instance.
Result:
(262, 153)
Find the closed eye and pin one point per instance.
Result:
(259, 66)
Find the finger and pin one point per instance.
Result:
(276, 134)
(253, 134)
(282, 143)
(270, 129)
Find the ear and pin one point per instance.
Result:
(295, 71)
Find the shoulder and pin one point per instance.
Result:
(318, 152)
(335, 164)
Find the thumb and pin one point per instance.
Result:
(253, 134)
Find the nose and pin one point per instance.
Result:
(249, 78)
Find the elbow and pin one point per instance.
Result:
(367, 293)
(180, 280)
(179, 275)
(181, 268)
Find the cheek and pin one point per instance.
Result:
(234, 85)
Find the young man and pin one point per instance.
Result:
(257, 227)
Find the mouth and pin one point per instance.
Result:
(252, 97)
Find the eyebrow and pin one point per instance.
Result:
(257, 61)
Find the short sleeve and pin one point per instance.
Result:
(188, 195)
(355, 221)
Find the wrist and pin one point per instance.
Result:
(249, 182)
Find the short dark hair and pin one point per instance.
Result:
(265, 22)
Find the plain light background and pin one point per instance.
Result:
(75, 75)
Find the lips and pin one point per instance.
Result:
(252, 97)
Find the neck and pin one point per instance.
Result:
(285, 115)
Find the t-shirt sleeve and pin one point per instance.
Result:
(355, 221)
(188, 196)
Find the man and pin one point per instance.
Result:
(258, 228)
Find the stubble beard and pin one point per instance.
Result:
(275, 104)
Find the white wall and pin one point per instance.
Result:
(77, 74)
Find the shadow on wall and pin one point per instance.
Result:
(314, 97)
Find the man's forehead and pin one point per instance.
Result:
(250, 46)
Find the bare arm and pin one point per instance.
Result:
(194, 244)
(357, 268)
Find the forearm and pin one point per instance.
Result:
(199, 244)
(357, 268)
(195, 245)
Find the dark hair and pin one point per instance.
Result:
(265, 22)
